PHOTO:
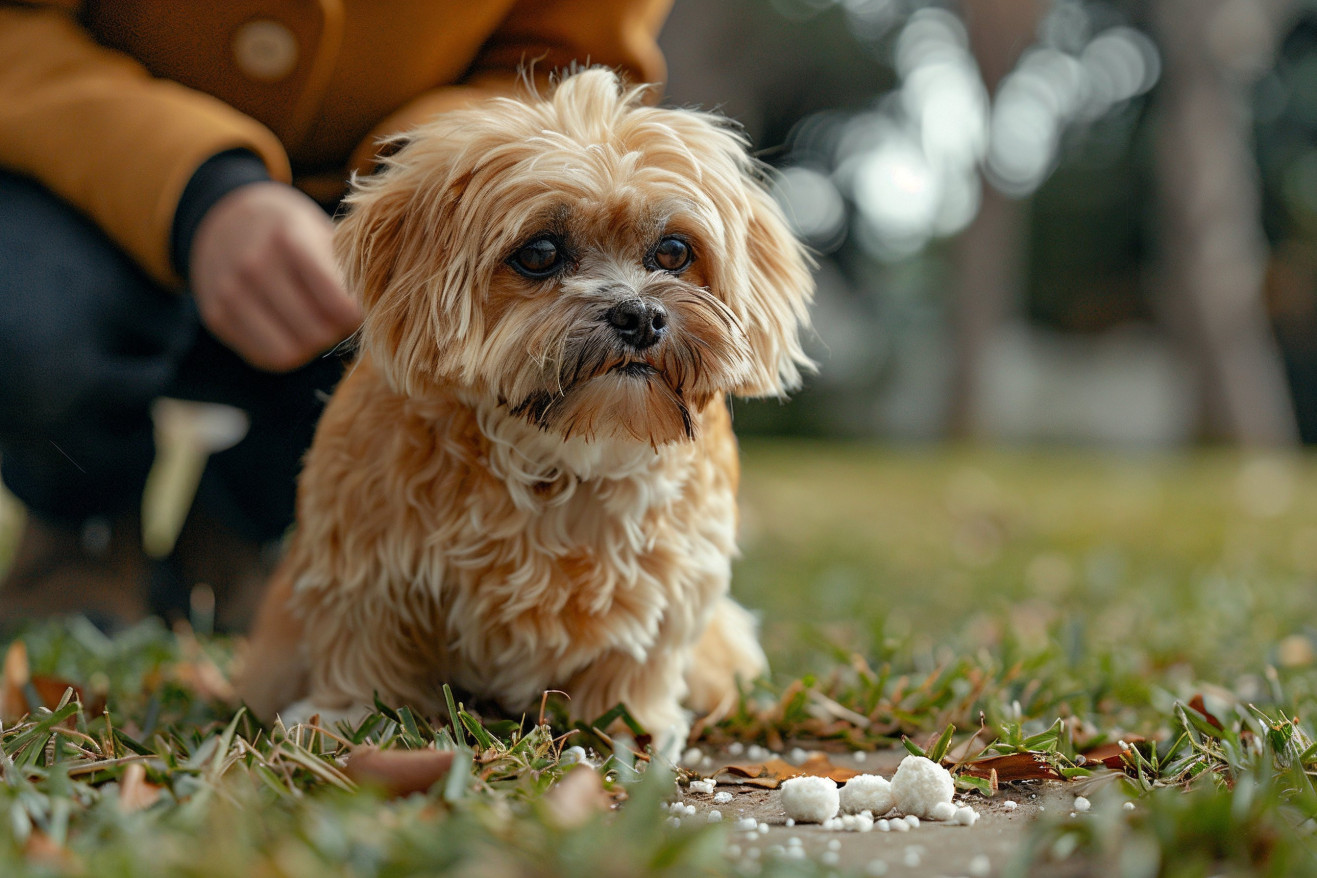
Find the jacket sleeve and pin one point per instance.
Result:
(97, 129)
(542, 37)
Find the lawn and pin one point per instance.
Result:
(1166, 602)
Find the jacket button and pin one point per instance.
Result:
(265, 50)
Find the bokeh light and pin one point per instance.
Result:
(910, 168)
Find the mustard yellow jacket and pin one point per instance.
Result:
(113, 104)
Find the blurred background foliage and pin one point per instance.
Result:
(1088, 221)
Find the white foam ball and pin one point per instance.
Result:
(943, 811)
(920, 784)
(867, 792)
(810, 799)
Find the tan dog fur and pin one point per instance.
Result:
(502, 494)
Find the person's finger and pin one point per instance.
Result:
(261, 338)
(316, 269)
(287, 301)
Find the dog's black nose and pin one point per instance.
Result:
(639, 323)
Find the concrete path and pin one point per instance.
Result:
(931, 849)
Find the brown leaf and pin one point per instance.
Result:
(1012, 767)
(45, 851)
(136, 793)
(1111, 755)
(1199, 705)
(770, 774)
(398, 772)
(17, 682)
(576, 798)
(198, 672)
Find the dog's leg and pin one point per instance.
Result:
(726, 656)
(651, 690)
(274, 670)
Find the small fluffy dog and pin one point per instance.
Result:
(527, 480)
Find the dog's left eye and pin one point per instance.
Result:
(537, 259)
(671, 254)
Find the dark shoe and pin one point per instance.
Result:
(97, 569)
(214, 577)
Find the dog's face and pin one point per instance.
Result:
(600, 267)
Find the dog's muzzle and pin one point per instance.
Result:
(640, 323)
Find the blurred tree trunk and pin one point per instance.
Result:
(990, 253)
(1212, 242)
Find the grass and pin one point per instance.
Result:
(1157, 610)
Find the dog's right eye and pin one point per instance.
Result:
(537, 259)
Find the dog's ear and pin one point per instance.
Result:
(778, 287)
(407, 264)
(759, 269)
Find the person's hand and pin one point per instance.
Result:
(264, 277)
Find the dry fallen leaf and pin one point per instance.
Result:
(17, 681)
(43, 850)
(578, 796)
(770, 774)
(398, 772)
(1111, 755)
(1012, 767)
(136, 793)
(198, 672)
(1198, 704)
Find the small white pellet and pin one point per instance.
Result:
(967, 816)
(797, 755)
(794, 841)
(692, 756)
(876, 868)
(715, 816)
(860, 755)
(912, 820)
(899, 825)
(736, 748)
(911, 858)
(1128, 806)
(883, 825)
(703, 786)
(722, 798)
(790, 822)
(1010, 804)
(673, 821)
(763, 828)
(834, 845)
(943, 811)
(747, 824)
(979, 866)
(830, 858)
(1082, 804)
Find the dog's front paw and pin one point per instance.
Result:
(670, 741)
(305, 710)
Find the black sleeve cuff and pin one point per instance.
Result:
(218, 176)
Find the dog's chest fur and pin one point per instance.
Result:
(517, 558)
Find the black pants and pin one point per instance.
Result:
(88, 341)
